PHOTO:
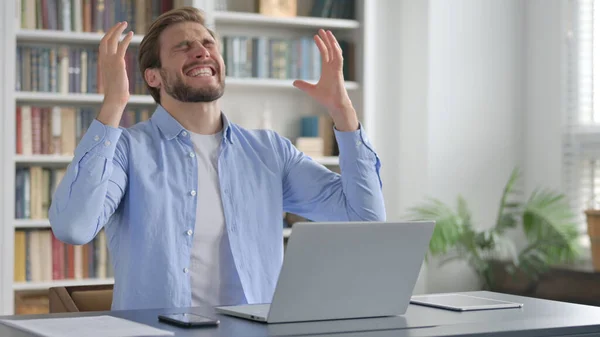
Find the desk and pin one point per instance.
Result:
(538, 317)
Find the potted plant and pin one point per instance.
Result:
(545, 218)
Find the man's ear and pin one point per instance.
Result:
(152, 77)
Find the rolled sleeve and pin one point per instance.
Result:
(354, 144)
(356, 151)
(100, 140)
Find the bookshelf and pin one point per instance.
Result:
(245, 102)
(31, 223)
(37, 286)
(55, 36)
(72, 99)
(257, 20)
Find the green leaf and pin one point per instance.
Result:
(501, 249)
(449, 225)
(513, 205)
(533, 261)
(505, 218)
(549, 222)
(506, 221)
(545, 217)
(463, 211)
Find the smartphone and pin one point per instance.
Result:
(188, 320)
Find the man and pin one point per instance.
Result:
(192, 203)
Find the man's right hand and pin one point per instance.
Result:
(111, 59)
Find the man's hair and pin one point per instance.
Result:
(149, 50)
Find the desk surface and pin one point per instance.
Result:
(536, 318)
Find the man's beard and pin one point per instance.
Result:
(175, 87)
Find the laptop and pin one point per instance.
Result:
(343, 270)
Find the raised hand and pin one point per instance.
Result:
(111, 59)
(330, 90)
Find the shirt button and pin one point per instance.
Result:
(193, 193)
(96, 138)
(107, 143)
(192, 155)
(190, 232)
(358, 143)
(184, 133)
(185, 270)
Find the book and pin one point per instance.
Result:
(93, 15)
(57, 130)
(41, 257)
(69, 69)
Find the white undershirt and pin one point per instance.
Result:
(214, 279)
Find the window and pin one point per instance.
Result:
(582, 137)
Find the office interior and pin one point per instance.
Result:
(482, 112)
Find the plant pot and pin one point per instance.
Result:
(518, 283)
(593, 223)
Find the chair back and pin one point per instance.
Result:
(80, 298)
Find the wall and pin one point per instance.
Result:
(449, 104)
(3, 296)
(544, 93)
(475, 111)
(400, 102)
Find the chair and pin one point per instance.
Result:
(80, 298)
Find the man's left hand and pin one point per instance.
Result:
(330, 90)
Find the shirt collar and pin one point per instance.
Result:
(171, 128)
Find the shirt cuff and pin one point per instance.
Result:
(99, 139)
(354, 144)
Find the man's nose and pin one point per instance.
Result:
(199, 50)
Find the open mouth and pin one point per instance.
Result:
(201, 71)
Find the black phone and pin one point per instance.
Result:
(188, 320)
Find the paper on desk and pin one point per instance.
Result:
(91, 326)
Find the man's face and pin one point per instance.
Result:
(192, 67)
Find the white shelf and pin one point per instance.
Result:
(287, 232)
(31, 97)
(255, 19)
(74, 98)
(269, 83)
(31, 223)
(43, 159)
(58, 36)
(327, 161)
(20, 286)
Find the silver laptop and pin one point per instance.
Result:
(340, 270)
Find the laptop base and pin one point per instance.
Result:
(255, 312)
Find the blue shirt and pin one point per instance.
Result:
(138, 183)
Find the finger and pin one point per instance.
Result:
(107, 36)
(303, 85)
(113, 40)
(122, 49)
(322, 48)
(328, 44)
(337, 50)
